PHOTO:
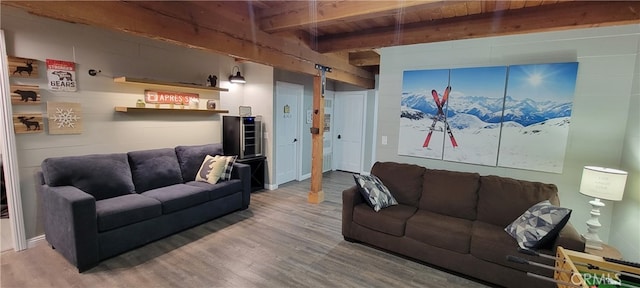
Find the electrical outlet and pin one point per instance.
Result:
(384, 140)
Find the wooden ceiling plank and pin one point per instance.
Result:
(326, 12)
(448, 11)
(474, 7)
(488, 6)
(460, 9)
(518, 4)
(532, 3)
(562, 16)
(132, 19)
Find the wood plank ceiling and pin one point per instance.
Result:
(344, 35)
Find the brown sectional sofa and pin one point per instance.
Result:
(454, 220)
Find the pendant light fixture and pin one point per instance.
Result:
(236, 78)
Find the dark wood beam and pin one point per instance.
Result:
(561, 16)
(172, 22)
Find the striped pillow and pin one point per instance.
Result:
(226, 174)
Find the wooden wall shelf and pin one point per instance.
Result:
(166, 84)
(178, 110)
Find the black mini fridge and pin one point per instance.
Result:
(242, 136)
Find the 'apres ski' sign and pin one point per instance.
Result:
(166, 97)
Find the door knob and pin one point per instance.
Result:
(339, 136)
(295, 140)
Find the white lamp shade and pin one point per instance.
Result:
(603, 183)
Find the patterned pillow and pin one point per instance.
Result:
(226, 174)
(539, 225)
(374, 192)
(211, 169)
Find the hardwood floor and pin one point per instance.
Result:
(280, 241)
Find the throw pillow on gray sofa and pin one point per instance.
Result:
(211, 169)
(226, 174)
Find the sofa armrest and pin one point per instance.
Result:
(243, 172)
(70, 224)
(569, 238)
(350, 198)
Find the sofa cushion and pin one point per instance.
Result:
(403, 180)
(490, 243)
(539, 225)
(101, 175)
(126, 209)
(374, 192)
(439, 230)
(190, 158)
(450, 193)
(220, 189)
(501, 200)
(155, 168)
(391, 220)
(178, 196)
(211, 169)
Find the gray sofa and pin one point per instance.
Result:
(98, 206)
(455, 220)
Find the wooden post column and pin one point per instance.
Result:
(316, 195)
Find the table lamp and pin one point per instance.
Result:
(601, 183)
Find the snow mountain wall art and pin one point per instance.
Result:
(510, 116)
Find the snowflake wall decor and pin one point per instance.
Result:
(64, 118)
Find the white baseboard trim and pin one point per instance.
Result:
(305, 177)
(270, 186)
(33, 242)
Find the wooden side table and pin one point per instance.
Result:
(607, 251)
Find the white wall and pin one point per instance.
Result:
(608, 60)
(106, 131)
(626, 213)
(258, 93)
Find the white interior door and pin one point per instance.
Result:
(348, 111)
(288, 99)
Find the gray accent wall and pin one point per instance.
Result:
(604, 123)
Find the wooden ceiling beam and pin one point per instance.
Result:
(364, 58)
(199, 30)
(561, 16)
(301, 14)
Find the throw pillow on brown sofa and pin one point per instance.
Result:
(538, 225)
(374, 192)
